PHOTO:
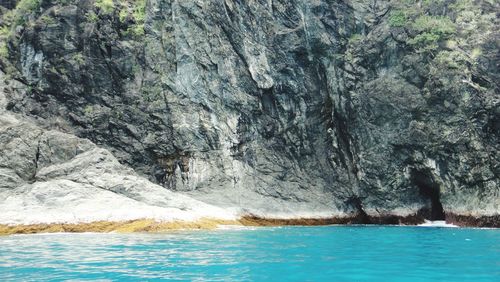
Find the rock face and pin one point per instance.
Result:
(48, 176)
(275, 108)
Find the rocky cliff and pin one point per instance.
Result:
(370, 109)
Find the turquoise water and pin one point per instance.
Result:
(340, 253)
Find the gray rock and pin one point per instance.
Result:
(279, 108)
(51, 177)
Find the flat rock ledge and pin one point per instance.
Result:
(414, 219)
(130, 226)
(474, 221)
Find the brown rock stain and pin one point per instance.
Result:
(150, 225)
(142, 225)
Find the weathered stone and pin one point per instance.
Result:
(275, 108)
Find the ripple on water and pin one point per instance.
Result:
(345, 253)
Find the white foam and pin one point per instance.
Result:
(235, 227)
(437, 223)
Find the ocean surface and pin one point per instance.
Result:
(329, 253)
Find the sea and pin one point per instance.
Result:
(232, 253)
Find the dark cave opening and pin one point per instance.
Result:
(361, 216)
(429, 190)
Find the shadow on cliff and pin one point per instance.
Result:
(429, 190)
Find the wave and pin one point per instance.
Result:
(437, 223)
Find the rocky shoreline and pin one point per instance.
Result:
(458, 220)
(149, 225)
(474, 221)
